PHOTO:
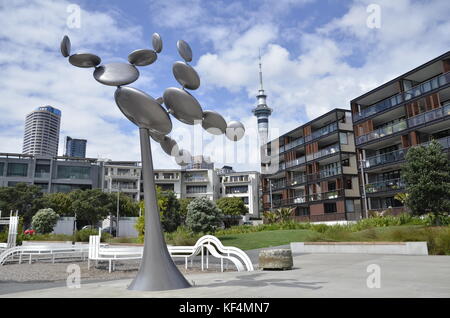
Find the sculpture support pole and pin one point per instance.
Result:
(157, 270)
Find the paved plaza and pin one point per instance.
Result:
(314, 275)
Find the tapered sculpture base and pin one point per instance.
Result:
(157, 270)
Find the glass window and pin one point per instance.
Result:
(68, 187)
(343, 138)
(17, 170)
(237, 189)
(195, 189)
(2, 166)
(73, 172)
(42, 171)
(330, 207)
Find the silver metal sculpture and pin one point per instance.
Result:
(157, 270)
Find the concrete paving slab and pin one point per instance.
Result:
(314, 275)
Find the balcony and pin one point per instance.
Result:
(296, 200)
(382, 132)
(390, 102)
(297, 180)
(196, 179)
(293, 144)
(326, 195)
(384, 158)
(279, 184)
(324, 152)
(385, 185)
(429, 116)
(295, 162)
(322, 132)
(236, 180)
(445, 142)
(324, 174)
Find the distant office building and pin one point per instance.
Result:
(75, 147)
(41, 135)
(243, 185)
(51, 174)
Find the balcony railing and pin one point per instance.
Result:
(323, 152)
(324, 174)
(425, 87)
(295, 162)
(385, 185)
(196, 179)
(322, 131)
(381, 132)
(293, 144)
(296, 200)
(326, 195)
(445, 142)
(429, 116)
(384, 158)
(279, 185)
(298, 180)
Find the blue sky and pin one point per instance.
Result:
(317, 55)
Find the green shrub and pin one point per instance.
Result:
(83, 235)
(203, 216)
(182, 236)
(44, 220)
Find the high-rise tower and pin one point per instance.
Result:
(262, 111)
(41, 135)
(75, 147)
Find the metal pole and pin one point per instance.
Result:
(157, 270)
(117, 222)
(361, 162)
(270, 193)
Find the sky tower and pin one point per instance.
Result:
(262, 111)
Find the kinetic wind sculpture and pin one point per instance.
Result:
(157, 270)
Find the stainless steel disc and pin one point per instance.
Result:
(157, 42)
(116, 74)
(143, 110)
(183, 158)
(170, 146)
(65, 46)
(142, 57)
(186, 75)
(214, 123)
(184, 50)
(84, 60)
(235, 130)
(157, 137)
(182, 105)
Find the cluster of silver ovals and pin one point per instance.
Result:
(147, 112)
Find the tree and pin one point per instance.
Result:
(203, 216)
(44, 220)
(127, 206)
(22, 197)
(427, 177)
(60, 202)
(184, 202)
(232, 208)
(92, 205)
(169, 212)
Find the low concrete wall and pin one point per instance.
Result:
(399, 248)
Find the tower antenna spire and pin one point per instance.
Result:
(260, 73)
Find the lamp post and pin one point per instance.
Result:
(362, 162)
(157, 270)
(270, 193)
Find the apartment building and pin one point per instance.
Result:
(123, 176)
(409, 110)
(51, 174)
(243, 185)
(313, 169)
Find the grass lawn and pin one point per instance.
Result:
(438, 238)
(248, 241)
